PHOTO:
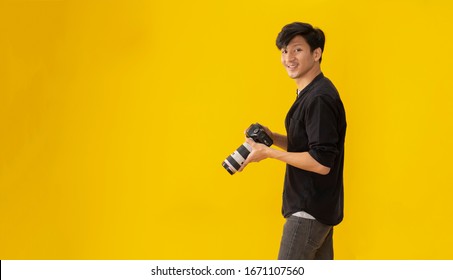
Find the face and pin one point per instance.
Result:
(297, 58)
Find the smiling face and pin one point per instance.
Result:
(300, 62)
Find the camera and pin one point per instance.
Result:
(255, 131)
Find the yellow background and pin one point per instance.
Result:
(115, 117)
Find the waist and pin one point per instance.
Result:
(305, 215)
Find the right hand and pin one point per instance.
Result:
(269, 132)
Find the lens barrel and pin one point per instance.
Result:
(234, 161)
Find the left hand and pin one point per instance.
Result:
(258, 153)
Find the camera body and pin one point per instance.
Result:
(257, 133)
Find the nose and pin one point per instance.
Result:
(288, 58)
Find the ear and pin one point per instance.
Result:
(317, 53)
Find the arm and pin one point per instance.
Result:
(302, 160)
(321, 127)
(280, 140)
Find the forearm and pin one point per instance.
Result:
(280, 140)
(301, 160)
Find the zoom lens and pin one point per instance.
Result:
(234, 161)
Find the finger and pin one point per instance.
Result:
(269, 132)
(249, 141)
(244, 164)
(242, 167)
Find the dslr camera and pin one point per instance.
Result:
(255, 131)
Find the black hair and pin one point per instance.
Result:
(314, 36)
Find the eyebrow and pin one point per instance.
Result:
(294, 45)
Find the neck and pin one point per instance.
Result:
(302, 82)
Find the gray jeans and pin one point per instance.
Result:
(305, 239)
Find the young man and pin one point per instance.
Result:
(313, 148)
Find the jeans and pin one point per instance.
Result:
(305, 239)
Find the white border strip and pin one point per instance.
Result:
(143, 270)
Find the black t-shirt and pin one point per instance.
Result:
(316, 123)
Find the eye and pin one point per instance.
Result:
(298, 50)
(284, 51)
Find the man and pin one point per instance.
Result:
(313, 148)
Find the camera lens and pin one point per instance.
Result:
(234, 161)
